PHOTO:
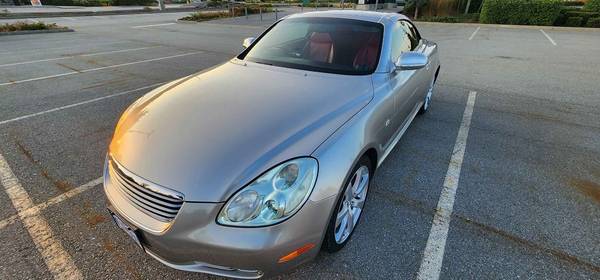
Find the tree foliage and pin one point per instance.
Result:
(593, 5)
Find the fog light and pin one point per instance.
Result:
(296, 253)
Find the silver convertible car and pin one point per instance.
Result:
(252, 167)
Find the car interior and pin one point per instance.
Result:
(344, 47)
(347, 48)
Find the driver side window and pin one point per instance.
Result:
(400, 41)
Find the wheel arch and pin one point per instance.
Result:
(371, 153)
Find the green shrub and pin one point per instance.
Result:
(593, 22)
(593, 5)
(470, 18)
(20, 26)
(252, 9)
(574, 21)
(567, 13)
(528, 12)
(473, 8)
(574, 3)
(238, 11)
(216, 3)
(584, 14)
(134, 2)
(200, 16)
(88, 3)
(58, 2)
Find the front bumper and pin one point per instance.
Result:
(210, 268)
(193, 241)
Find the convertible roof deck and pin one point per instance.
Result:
(352, 14)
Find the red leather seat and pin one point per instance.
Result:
(320, 47)
(366, 57)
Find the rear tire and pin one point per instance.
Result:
(349, 207)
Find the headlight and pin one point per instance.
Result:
(273, 197)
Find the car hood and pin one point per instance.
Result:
(209, 134)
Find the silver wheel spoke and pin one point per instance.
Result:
(350, 224)
(341, 215)
(363, 184)
(349, 194)
(428, 97)
(353, 201)
(354, 187)
(359, 203)
(339, 235)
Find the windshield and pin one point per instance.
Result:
(333, 45)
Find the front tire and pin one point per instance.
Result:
(427, 100)
(349, 206)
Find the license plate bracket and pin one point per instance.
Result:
(129, 230)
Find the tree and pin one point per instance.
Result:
(468, 6)
(593, 5)
(417, 4)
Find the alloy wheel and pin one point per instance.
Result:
(352, 204)
(427, 102)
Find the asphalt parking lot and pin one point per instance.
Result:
(512, 143)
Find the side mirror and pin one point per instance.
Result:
(411, 61)
(247, 42)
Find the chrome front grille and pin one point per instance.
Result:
(157, 202)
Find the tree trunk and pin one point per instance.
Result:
(468, 6)
(416, 11)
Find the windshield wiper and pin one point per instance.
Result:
(265, 63)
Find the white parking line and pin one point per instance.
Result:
(548, 36)
(96, 69)
(55, 200)
(68, 18)
(57, 260)
(71, 46)
(474, 33)
(78, 104)
(152, 25)
(78, 55)
(431, 264)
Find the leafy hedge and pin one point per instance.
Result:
(58, 2)
(133, 2)
(237, 11)
(593, 5)
(585, 16)
(528, 12)
(574, 3)
(22, 26)
(469, 18)
(593, 22)
(574, 21)
(199, 16)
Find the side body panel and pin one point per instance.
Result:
(367, 130)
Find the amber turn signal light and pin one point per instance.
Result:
(294, 254)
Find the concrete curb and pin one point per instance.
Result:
(211, 22)
(25, 32)
(536, 27)
(100, 13)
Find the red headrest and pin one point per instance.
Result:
(322, 38)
